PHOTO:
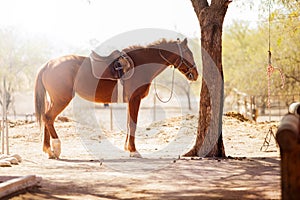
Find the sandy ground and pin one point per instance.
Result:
(94, 166)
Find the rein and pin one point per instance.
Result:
(172, 90)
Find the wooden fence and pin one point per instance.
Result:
(254, 107)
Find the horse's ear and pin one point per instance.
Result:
(184, 41)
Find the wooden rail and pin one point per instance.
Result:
(288, 138)
(17, 184)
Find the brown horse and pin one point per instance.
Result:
(61, 78)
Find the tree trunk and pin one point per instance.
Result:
(209, 140)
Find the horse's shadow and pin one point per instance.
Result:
(126, 165)
(78, 160)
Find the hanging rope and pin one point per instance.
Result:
(270, 68)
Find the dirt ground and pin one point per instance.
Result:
(94, 166)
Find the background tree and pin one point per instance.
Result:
(20, 57)
(245, 52)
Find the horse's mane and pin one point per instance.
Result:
(155, 44)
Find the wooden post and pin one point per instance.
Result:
(111, 117)
(154, 107)
(4, 125)
(2, 135)
(5, 115)
(245, 106)
(3, 120)
(288, 138)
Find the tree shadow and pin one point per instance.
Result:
(255, 178)
(58, 191)
(246, 178)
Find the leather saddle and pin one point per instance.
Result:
(111, 67)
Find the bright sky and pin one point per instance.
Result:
(78, 21)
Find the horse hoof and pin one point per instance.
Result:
(56, 148)
(51, 155)
(135, 154)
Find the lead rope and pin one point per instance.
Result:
(172, 89)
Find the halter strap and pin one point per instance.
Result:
(181, 60)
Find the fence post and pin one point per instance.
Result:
(4, 128)
(111, 117)
(5, 116)
(154, 107)
(2, 131)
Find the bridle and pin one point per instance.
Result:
(182, 61)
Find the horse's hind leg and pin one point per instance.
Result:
(51, 114)
(46, 145)
(46, 142)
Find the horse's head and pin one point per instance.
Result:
(185, 61)
(181, 57)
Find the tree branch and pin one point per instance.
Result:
(292, 77)
(221, 2)
(199, 5)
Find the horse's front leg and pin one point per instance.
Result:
(133, 109)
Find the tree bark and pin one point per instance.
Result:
(209, 140)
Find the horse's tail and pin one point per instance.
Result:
(40, 97)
